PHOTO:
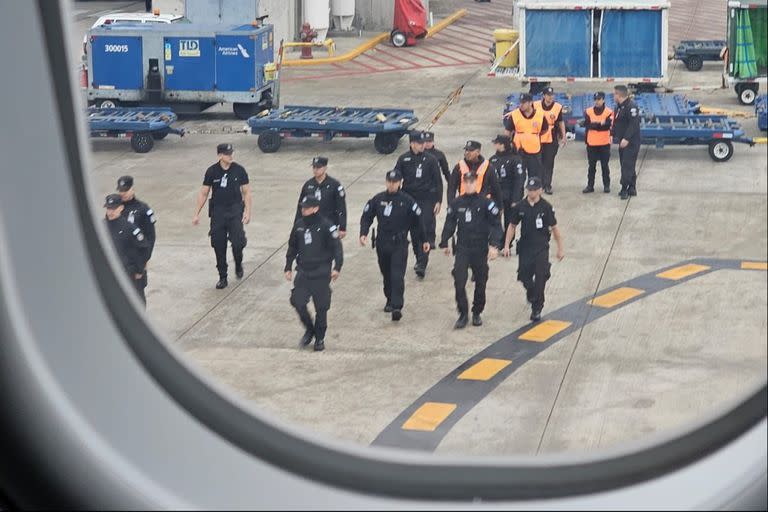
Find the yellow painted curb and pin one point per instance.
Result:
(370, 44)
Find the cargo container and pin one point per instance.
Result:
(186, 66)
(747, 55)
(591, 41)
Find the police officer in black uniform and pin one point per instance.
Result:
(314, 244)
(139, 214)
(626, 132)
(538, 222)
(422, 181)
(479, 239)
(396, 214)
(429, 147)
(330, 193)
(229, 208)
(508, 168)
(130, 243)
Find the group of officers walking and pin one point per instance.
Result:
(480, 193)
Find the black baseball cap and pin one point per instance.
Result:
(429, 136)
(472, 145)
(549, 91)
(113, 201)
(600, 95)
(310, 202)
(470, 176)
(533, 183)
(319, 161)
(525, 97)
(225, 149)
(124, 183)
(417, 136)
(394, 175)
(502, 139)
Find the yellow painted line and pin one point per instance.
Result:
(754, 265)
(544, 331)
(453, 18)
(429, 416)
(345, 57)
(677, 273)
(760, 140)
(616, 297)
(485, 369)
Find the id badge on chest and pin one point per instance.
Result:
(388, 210)
(468, 216)
(318, 194)
(503, 172)
(307, 237)
(223, 183)
(418, 171)
(539, 222)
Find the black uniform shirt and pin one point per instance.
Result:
(142, 216)
(396, 214)
(626, 122)
(332, 197)
(510, 174)
(477, 220)
(225, 185)
(536, 221)
(314, 243)
(445, 168)
(421, 176)
(130, 244)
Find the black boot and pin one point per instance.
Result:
(388, 308)
(588, 189)
(222, 283)
(319, 345)
(607, 189)
(396, 315)
(632, 191)
(476, 320)
(239, 273)
(536, 315)
(307, 338)
(624, 194)
(461, 322)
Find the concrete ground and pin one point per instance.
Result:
(653, 365)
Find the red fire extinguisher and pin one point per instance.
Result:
(307, 35)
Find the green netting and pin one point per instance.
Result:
(744, 61)
(758, 18)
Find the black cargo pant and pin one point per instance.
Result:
(141, 285)
(477, 260)
(548, 154)
(392, 253)
(227, 224)
(628, 159)
(534, 271)
(430, 226)
(600, 154)
(319, 290)
(531, 163)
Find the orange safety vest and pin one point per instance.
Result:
(527, 131)
(464, 168)
(595, 137)
(551, 116)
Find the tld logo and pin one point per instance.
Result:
(189, 48)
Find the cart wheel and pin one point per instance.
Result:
(386, 143)
(747, 93)
(694, 63)
(270, 141)
(142, 142)
(720, 150)
(244, 111)
(160, 134)
(398, 39)
(107, 103)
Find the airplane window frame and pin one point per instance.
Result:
(380, 472)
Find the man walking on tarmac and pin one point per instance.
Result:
(553, 138)
(527, 124)
(473, 162)
(597, 124)
(422, 181)
(538, 222)
(479, 239)
(330, 193)
(509, 172)
(429, 147)
(626, 131)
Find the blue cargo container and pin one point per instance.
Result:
(621, 41)
(186, 66)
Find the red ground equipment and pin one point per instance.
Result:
(410, 23)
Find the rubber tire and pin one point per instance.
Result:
(270, 141)
(142, 142)
(747, 93)
(712, 151)
(694, 63)
(114, 103)
(398, 39)
(386, 143)
(160, 134)
(245, 111)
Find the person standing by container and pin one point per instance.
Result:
(626, 131)
(553, 138)
(597, 124)
(528, 124)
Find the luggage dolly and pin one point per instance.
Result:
(142, 125)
